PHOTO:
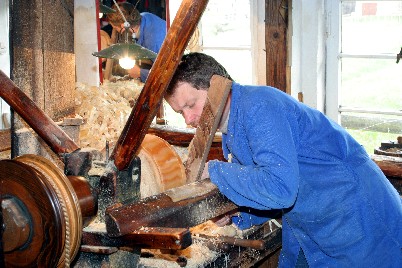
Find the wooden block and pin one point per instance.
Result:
(180, 207)
(95, 235)
(205, 133)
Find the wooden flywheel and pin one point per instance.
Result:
(41, 214)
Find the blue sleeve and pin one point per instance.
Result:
(144, 74)
(246, 220)
(272, 180)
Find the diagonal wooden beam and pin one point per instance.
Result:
(169, 56)
(41, 123)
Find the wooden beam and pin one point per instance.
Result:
(42, 124)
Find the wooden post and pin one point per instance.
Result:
(276, 20)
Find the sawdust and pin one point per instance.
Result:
(209, 228)
(196, 255)
(5, 154)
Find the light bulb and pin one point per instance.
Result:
(126, 63)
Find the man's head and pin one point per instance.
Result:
(187, 91)
(129, 11)
(196, 69)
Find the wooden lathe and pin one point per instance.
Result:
(91, 214)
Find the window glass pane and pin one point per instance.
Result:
(226, 24)
(371, 130)
(236, 62)
(173, 118)
(371, 27)
(374, 84)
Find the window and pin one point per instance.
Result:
(229, 31)
(364, 82)
(226, 35)
(4, 60)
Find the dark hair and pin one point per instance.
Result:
(196, 69)
(129, 11)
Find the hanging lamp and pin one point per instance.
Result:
(126, 51)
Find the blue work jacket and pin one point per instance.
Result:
(152, 34)
(336, 203)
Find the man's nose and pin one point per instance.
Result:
(187, 118)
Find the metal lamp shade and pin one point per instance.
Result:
(122, 50)
(105, 9)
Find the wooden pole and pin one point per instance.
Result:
(42, 124)
(162, 71)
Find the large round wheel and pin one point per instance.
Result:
(38, 197)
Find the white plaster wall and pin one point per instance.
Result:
(258, 51)
(307, 61)
(86, 42)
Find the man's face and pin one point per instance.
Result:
(120, 28)
(189, 102)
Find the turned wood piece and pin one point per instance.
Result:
(180, 207)
(42, 124)
(183, 137)
(162, 71)
(218, 93)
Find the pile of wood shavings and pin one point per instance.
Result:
(105, 110)
(197, 255)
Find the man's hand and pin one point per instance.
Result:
(205, 173)
(223, 220)
(135, 72)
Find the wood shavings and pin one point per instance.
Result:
(105, 110)
(209, 228)
(197, 255)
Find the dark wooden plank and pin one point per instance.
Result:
(151, 96)
(43, 60)
(218, 93)
(180, 207)
(276, 21)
